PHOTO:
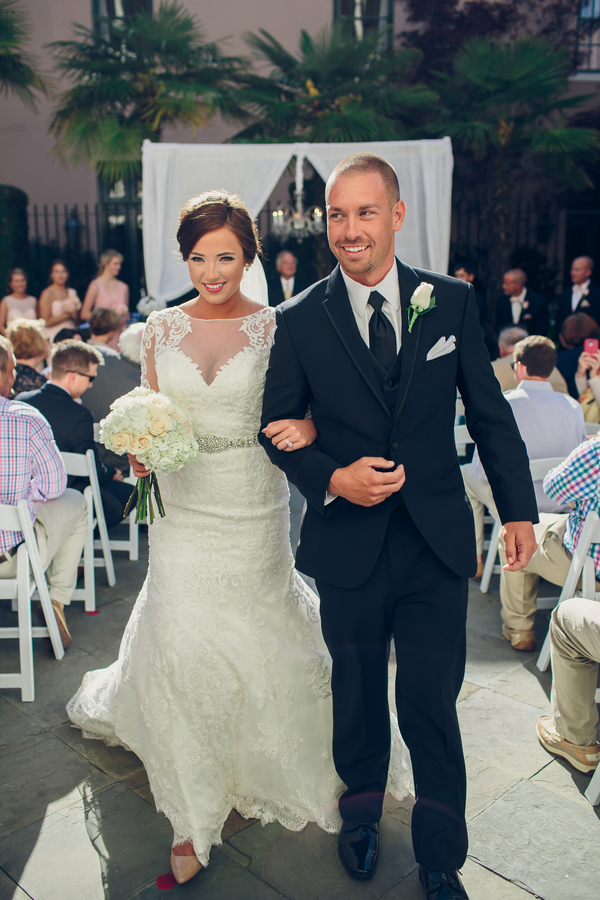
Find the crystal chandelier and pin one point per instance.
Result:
(299, 222)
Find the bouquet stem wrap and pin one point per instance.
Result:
(150, 427)
(144, 509)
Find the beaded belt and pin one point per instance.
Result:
(212, 443)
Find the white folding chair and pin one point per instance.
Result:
(84, 466)
(581, 565)
(592, 428)
(539, 469)
(22, 589)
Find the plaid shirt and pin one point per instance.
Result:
(31, 466)
(576, 480)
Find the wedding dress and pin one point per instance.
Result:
(222, 685)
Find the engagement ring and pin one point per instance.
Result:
(288, 442)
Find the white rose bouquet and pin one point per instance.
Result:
(149, 426)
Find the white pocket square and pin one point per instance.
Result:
(443, 346)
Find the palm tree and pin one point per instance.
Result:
(131, 80)
(338, 88)
(505, 106)
(18, 72)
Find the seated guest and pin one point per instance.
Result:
(32, 469)
(574, 483)
(116, 377)
(570, 732)
(551, 424)
(574, 331)
(503, 366)
(587, 382)
(581, 295)
(73, 369)
(521, 306)
(287, 284)
(31, 348)
(67, 334)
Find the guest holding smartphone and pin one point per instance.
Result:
(587, 380)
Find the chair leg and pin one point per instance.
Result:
(106, 551)
(89, 577)
(134, 538)
(593, 791)
(490, 561)
(543, 660)
(25, 632)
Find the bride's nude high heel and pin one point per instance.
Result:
(184, 867)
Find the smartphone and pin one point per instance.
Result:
(590, 345)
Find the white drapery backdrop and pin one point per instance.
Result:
(172, 173)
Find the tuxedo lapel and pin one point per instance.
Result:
(338, 309)
(408, 281)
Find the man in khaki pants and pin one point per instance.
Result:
(575, 482)
(570, 731)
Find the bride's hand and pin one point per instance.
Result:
(291, 434)
(139, 470)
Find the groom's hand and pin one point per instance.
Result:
(519, 545)
(363, 484)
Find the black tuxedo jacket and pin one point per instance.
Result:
(319, 359)
(276, 291)
(589, 304)
(72, 425)
(534, 318)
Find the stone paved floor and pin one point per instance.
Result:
(77, 821)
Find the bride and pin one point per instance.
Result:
(222, 685)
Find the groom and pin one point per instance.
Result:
(388, 534)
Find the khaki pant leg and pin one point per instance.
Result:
(480, 495)
(60, 527)
(551, 560)
(575, 641)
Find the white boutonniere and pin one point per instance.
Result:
(420, 303)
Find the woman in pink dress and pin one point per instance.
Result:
(107, 290)
(18, 304)
(59, 304)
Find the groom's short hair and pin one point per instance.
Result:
(362, 164)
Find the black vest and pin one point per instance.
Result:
(388, 380)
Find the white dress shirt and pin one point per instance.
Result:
(516, 304)
(287, 284)
(551, 424)
(578, 292)
(359, 295)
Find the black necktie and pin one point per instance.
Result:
(382, 337)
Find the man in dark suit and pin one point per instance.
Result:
(286, 284)
(388, 534)
(582, 296)
(73, 369)
(521, 306)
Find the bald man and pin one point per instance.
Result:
(519, 305)
(582, 295)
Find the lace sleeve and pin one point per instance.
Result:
(149, 377)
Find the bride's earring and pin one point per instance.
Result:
(247, 267)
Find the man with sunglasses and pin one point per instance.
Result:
(73, 369)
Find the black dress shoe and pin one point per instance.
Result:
(442, 885)
(358, 848)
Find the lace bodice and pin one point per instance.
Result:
(213, 368)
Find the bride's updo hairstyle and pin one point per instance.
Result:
(210, 211)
